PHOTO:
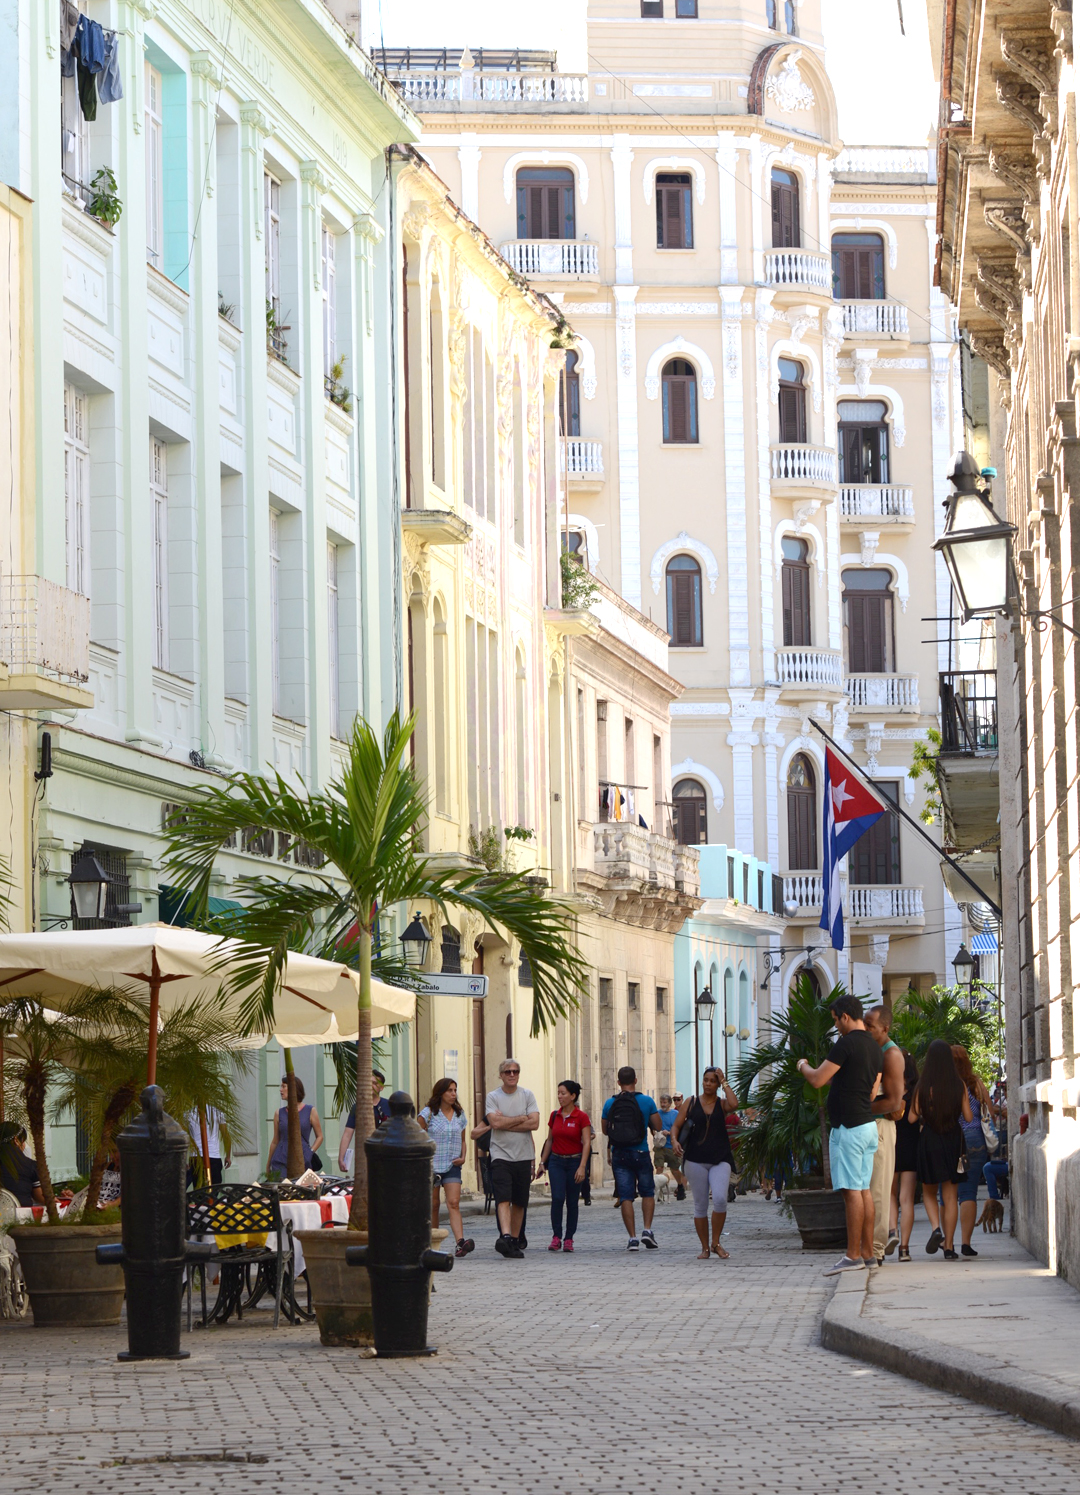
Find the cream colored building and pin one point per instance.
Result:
(682, 202)
(1008, 258)
(512, 690)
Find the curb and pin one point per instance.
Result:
(959, 1372)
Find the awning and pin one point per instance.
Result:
(984, 944)
(173, 907)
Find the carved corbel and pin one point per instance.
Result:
(1001, 278)
(1007, 219)
(990, 347)
(1022, 101)
(1028, 56)
(1017, 168)
(1061, 25)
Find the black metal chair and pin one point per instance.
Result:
(243, 1210)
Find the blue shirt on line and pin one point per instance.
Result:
(647, 1106)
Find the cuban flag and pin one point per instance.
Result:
(848, 811)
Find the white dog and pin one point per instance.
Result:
(665, 1186)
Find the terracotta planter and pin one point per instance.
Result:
(341, 1295)
(67, 1287)
(819, 1214)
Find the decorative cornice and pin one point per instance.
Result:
(282, 375)
(167, 291)
(87, 230)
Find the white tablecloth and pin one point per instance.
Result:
(305, 1214)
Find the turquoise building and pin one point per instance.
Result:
(717, 953)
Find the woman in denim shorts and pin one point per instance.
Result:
(444, 1121)
(974, 1146)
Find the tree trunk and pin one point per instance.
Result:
(825, 1166)
(358, 1216)
(294, 1161)
(34, 1095)
(113, 1112)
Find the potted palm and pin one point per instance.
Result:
(789, 1126)
(93, 1058)
(366, 827)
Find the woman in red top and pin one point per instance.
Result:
(565, 1156)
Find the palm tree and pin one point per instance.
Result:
(104, 1082)
(791, 1121)
(920, 1018)
(366, 826)
(43, 1044)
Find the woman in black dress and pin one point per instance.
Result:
(907, 1164)
(940, 1101)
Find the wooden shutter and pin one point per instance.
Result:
(785, 216)
(670, 217)
(683, 598)
(875, 857)
(675, 392)
(795, 595)
(802, 830)
(851, 464)
(866, 633)
(792, 402)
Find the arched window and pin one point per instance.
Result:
(795, 592)
(785, 209)
(576, 546)
(801, 815)
(684, 601)
(570, 397)
(792, 401)
(691, 821)
(679, 380)
(868, 621)
(863, 440)
(545, 202)
(674, 214)
(858, 267)
(451, 951)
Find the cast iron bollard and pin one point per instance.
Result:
(398, 1255)
(155, 1249)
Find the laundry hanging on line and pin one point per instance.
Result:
(92, 54)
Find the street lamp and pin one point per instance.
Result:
(89, 888)
(976, 543)
(704, 1007)
(963, 965)
(415, 942)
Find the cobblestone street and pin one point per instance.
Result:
(597, 1373)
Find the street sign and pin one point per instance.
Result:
(455, 986)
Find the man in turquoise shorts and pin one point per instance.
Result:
(853, 1073)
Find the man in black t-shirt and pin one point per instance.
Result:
(854, 1070)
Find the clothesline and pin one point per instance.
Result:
(91, 54)
(617, 802)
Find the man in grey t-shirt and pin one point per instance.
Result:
(513, 1115)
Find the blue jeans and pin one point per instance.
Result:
(968, 1188)
(564, 1190)
(993, 1170)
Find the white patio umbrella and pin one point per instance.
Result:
(317, 1001)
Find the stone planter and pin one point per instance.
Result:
(819, 1214)
(67, 1287)
(341, 1295)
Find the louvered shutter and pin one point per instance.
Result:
(684, 607)
(792, 403)
(795, 595)
(785, 216)
(866, 634)
(671, 218)
(677, 422)
(802, 830)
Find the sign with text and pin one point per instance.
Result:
(454, 986)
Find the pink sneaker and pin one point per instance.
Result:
(556, 1244)
(568, 1245)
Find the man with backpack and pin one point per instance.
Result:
(626, 1120)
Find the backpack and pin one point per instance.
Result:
(626, 1124)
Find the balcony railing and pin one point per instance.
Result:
(799, 269)
(582, 459)
(877, 901)
(544, 257)
(969, 711)
(792, 462)
(525, 88)
(881, 501)
(44, 626)
(812, 667)
(884, 902)
(883, 692)
(630, 852)
(879, 318)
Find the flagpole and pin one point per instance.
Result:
(944, 855)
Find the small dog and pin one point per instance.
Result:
(663, 1188)
(992, 1216)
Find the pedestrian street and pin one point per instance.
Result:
(586, 1375)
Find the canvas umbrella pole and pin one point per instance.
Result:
(155, 979)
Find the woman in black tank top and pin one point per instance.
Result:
(700, 1133)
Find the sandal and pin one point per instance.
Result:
(723, 1255)
(704, 1255)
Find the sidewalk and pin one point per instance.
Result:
(998, 1329)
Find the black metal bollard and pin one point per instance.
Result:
(398, 1255)
(155, 1249)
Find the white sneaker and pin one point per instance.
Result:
(845, 1264)
(633, 1244)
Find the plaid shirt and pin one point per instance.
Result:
(445, 1132)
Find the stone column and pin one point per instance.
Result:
(627, 407)
(368, 234)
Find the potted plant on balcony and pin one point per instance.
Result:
(787, 1127)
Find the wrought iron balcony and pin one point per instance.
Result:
(969, 711)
